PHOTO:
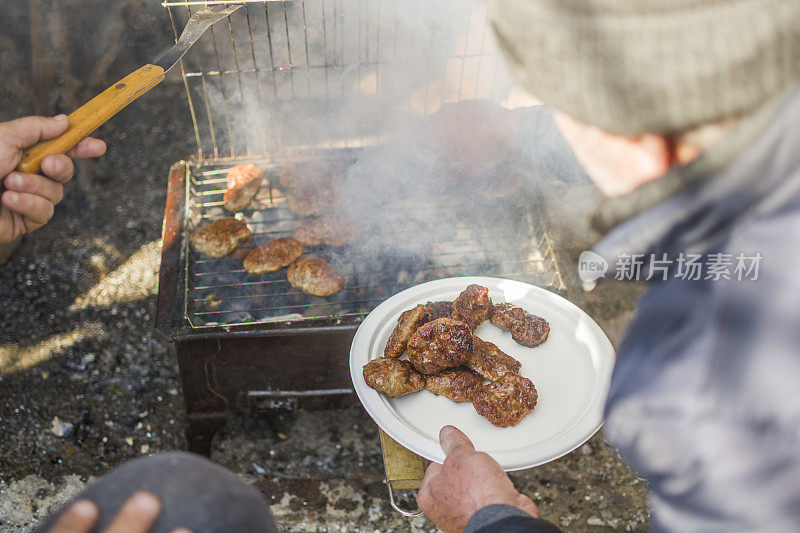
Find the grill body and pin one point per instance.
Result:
(287, 82)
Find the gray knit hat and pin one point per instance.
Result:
(658, 66)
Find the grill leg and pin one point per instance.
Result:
(200, 431)
(206, 410)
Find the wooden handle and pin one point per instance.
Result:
(93, 114)
(404, 468)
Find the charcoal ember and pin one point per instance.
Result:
(439, 345)
(473, 306)
(527, 329)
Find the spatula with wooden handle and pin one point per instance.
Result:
(105, 105)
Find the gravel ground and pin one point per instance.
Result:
(77, 344)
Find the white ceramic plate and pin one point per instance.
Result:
(571, 372)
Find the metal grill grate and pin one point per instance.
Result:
(283, 81)
(221, 292)
(289, 69)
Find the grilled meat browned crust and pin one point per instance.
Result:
(439, 345)
(313, 275)
(504, 402)
(243, 184)
(439, 310)
(407, 325)
(308, 174)
(273, 256)
(221, 237)
(527, 329)
(458, 384)
(330, 230)
(473, 306)
(489, 361)
(310, 201)
(392, 377)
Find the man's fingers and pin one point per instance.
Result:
(80, 517)
(451, 438)
(58, 167)
(137, 515)
(27, 131)
(527, 505)
(433, 470)
(31, 206)
(88, 147)
(35, 184)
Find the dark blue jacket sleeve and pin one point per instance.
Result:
(507, 519)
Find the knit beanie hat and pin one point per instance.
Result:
(651, 66)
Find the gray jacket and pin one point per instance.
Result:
(705, 397)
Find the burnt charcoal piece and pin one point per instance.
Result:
(489, 361)
(439, 345)
(407, 325)
(527, 329)
(504, 402)
(314, 276)
(243, 184)
(473, 306)
(330, 230)
(221, 237)
(458, 385)
(393, 377)
(437, 310)
(273, 256)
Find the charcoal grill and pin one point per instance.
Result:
(265, 87)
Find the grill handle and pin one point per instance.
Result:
(404, 471)
(93, 114)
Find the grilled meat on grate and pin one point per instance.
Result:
(221, 237)
(273, 256)
(489, 361)
(392, 377)
(407, 325)
(504, 402)
(310, 201)
(314, 276)
(458, 384)
(308, 174)
(439, 345)
(527, 329)
(473, 306)
(243, 184)
(330, 230)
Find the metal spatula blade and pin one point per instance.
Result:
(199, 22)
